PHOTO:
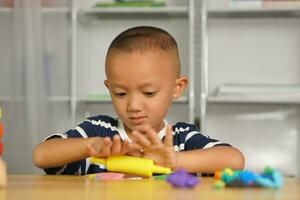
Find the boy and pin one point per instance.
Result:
(143, 77)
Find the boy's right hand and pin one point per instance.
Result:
(104, 147)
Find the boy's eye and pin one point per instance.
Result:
(149, 94)
(120, 94)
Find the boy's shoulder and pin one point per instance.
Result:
(100, 119)
(185, 127)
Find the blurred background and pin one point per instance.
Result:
(241, 56)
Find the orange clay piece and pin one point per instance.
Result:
(218, 175)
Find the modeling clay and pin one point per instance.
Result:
(218, 184)
(245, 178)
(181, 178)
(160, 177)
(107, 176)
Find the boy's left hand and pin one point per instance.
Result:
(153, 148)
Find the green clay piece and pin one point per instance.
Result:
(160, 177)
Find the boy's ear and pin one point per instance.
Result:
(106, 83)
(180, 85)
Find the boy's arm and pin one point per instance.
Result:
(210, 159)
(58, 152)
(206, 160)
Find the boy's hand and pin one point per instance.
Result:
(103, 147)
(152, 147)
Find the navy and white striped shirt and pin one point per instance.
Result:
(185, 137)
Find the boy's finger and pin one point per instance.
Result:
(135, 153)
(124, 147)
(169, 136)
(116, 145)
(91, 150)
(141, 139)
(106, 147)
(135, 147)
(152, 135)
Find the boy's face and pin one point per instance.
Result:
(142, 86)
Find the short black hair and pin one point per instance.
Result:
(143, 38)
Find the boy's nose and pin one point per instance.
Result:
(134, 105)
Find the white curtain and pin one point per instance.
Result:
(25, 108)
(29, 70)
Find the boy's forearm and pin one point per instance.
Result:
(57, 152)
(210, 160)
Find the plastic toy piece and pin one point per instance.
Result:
(244, 178)
(3, 177)
(131, 165)
(3, 172)
(181, 178)
(1, 129)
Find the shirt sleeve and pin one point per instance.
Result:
(196, 140)
(83, 130)
(199, 141)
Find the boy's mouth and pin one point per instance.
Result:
(137, 120)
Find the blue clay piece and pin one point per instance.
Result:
(269, 178)
(247, 177)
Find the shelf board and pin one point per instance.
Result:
(61, 99)
(56, 10)
(254, 99)
(94, 100)
(8, 10)
(253, 12)
(108, 100)
(178, 11)
(4, 99)
(5, 10)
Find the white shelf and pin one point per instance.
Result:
(3, 98)
(290, 11)
(182, 99)
(254, 93)
(5, 10)
(61, 99)
(94, 100)
(254, 99)
(179, 11)
(56, 10)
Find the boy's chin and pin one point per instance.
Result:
(139, 127)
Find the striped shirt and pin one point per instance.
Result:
(185, 137)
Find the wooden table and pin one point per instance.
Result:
(78, 187)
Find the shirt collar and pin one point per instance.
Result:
(124, 135)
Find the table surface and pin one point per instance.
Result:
(79, 187)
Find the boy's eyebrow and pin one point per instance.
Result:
(147, 84)
(117, 85)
